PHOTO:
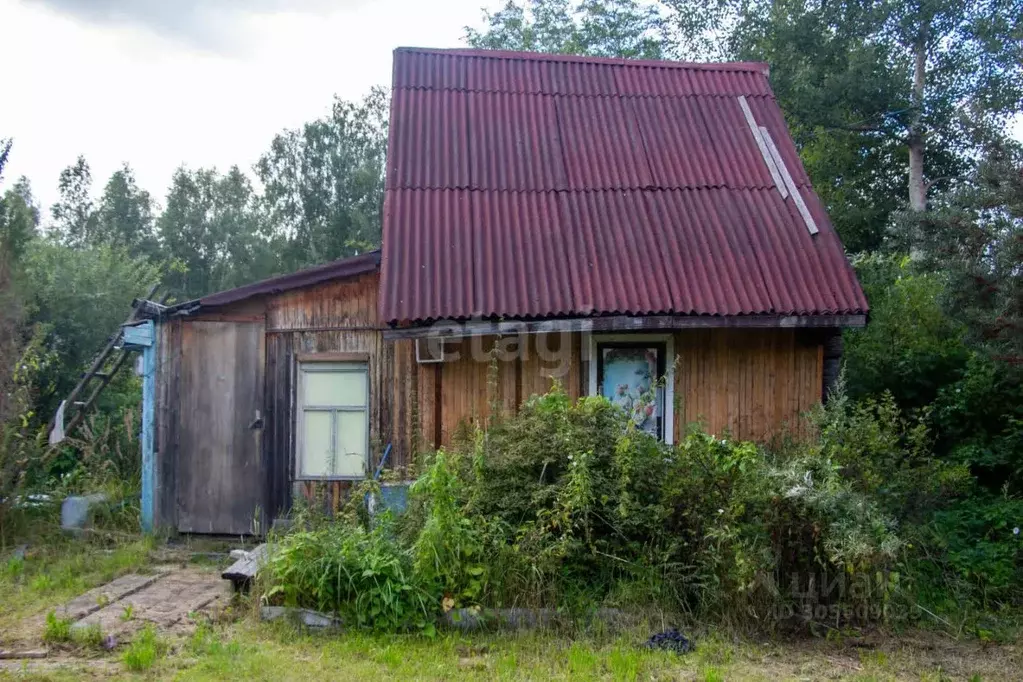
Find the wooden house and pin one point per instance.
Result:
(602, 222)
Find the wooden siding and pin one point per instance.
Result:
(464, 390)
(751, 383)
(337, 317)
(748, 382)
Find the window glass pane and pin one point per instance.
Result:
(351, 443)
(334, 388)
(314, 459)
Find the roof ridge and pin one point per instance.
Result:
(755, 67)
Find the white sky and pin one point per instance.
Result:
(204, 88)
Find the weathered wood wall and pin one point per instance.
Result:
(750, 382)
(464, 390)
(334, 318)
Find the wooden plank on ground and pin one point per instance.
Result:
(241, 572)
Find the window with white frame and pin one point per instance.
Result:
(333, 420)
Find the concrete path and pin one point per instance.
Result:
(170, 599)
(164, 600)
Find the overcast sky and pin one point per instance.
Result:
(158, 83)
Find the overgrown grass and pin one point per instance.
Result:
(144, 650)
(57, 629)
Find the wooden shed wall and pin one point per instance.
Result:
(750, 382)
(464, 390)
(334, 318)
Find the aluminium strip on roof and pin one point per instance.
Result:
(811, 224)
(762, 145)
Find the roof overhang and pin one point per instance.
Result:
(620, 323)
(345, 268)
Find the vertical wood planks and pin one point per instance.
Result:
(220, 479)
(752, 383)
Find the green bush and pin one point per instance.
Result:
(566, 505)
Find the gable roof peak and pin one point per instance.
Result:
(754, 67)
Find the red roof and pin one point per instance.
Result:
(527, 185)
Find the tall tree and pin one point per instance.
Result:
(323, 183)
(973, 237)
(73, 215)
(19, 219)
(209, 231)
(608, 28)
(124, 215)
(887, 99)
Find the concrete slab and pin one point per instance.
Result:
(99, 597)
(164, 603)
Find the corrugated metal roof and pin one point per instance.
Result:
(526, 186)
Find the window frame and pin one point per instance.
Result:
(329, 364)
(596, 341)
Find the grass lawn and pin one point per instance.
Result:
(238, 647)
(261, 652)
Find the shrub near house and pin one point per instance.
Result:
(567, 505)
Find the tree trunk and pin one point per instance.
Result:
(917, 188)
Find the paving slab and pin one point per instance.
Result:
(164, 603)
(99, 597)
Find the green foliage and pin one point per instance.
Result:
(73, 217)
(607, 28)
(19, 220)
(210, 233)
(144, 650)
(343, 568)
(448, 552)
(910, 348)
(124, 216)
(57, 629)
(973, 241)
(978, 548)
(77, 297)
(324, 184)
(566, 505)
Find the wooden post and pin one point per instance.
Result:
(143, 336)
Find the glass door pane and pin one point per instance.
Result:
(627, 374)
